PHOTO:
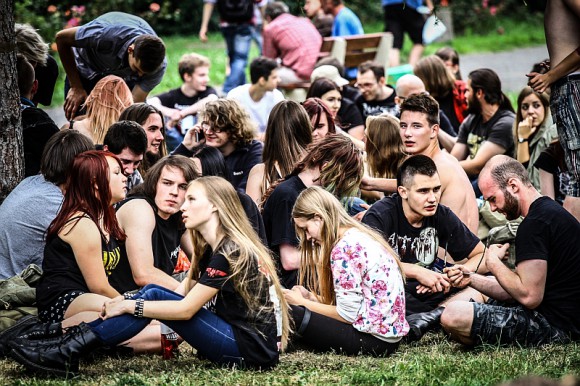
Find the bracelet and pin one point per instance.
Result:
(522, 140)
(128, 295)
(139, 308)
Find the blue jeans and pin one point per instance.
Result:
(210, 335)
(238, 39)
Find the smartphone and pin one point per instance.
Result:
(198, 136)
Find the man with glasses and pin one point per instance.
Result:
(225, 125)
(376, 96)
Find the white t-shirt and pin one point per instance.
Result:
(259, 111)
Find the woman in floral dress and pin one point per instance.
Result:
(356, 300)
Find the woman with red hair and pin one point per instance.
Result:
(82, 241)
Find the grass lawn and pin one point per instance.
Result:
(432, 361)
(516, 34)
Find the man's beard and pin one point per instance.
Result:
(473, 106)
(511, 206)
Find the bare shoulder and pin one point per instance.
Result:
(136, 212)
(79, 227)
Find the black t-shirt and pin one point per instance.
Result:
(419, 245)
(61, 272)
(165, 241)
(368, 108)
(277, 216)
(256, 333)
(348, 115)
(550, 233)
(350, 92)
(253, 214)
(499, 130)
(241, 161)
(176, 99)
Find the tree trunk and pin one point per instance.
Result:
(11, 148)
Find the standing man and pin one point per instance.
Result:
(345, 23)
(294, 40)
(376, 96)
(488, 129)
(115, 43)
(538, 302)
(260, 97)
(562, 19)
(236, 24)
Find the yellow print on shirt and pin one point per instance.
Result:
(474, 144)
(111, 259)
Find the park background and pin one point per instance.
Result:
(485, 30)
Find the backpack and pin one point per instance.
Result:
(17, 297)
(236, 11)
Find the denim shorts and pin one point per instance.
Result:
(506, 324)
(565, 106)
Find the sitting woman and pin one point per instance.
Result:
(246, 323)
(321, 118)
(534, 130)
(104, 105)
(288, 133)
(358, 299)
(82, 242)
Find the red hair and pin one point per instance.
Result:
(315, 107)
(88, 191)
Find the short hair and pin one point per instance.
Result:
(331, 61)
(502, 168)
(30, 44)
(487, 80)
(228, 115)
(149, 186)
(422, 103)
(59, 153)
(189, 62)
(126, 134)
(25, 72)
(262, 67)
(320, 87)
(275, 9)
(149, 50)
(377, 69)
(417, 164)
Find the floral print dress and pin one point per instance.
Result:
(368, 286)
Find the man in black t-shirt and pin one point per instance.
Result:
(376, 96)
(416, 226)
(488, 129)
(542, 292)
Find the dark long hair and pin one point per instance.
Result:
(88, 192)
(212, 162)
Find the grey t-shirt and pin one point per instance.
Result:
(101, 48)
(24, 218)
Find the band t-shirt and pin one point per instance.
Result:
(498, 130)
(176, 99)
(256, 332)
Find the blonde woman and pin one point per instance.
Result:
(358, 299)
(104, 106)
(246, 322)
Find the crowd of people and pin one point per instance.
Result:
(354, 221)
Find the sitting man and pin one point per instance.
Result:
(419, 132)
(416, 226)
(376, 96)
(538, 302)
(292, 39)
(488, 129)
(151, 219)
(30, 208)
(181, 105)
(261, 96)
(115, 43)
(227, 127)
(128, 141)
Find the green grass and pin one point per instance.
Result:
(433, 361)
(516, 34)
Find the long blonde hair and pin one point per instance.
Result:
(243, 249)
(315, 272)
(384, 146)
(105, 104)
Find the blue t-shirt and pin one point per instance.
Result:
(346, 23)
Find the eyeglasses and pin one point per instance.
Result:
(205, 126)
(366, 85)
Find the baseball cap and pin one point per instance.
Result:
(328, 72)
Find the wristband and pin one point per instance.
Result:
(522, 140)
(139, 308)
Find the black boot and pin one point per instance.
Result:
(59, 356)
(422, 322)
(10, 333)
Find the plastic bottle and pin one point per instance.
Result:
(169, 343)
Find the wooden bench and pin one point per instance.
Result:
(351, 51)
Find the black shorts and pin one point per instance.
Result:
(499, 323)
(55, 312)
(400, 19)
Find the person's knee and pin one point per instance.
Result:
(457, 316)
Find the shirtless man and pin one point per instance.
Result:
(562, 19)
(419, 131)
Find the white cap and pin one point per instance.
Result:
(328, 72)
